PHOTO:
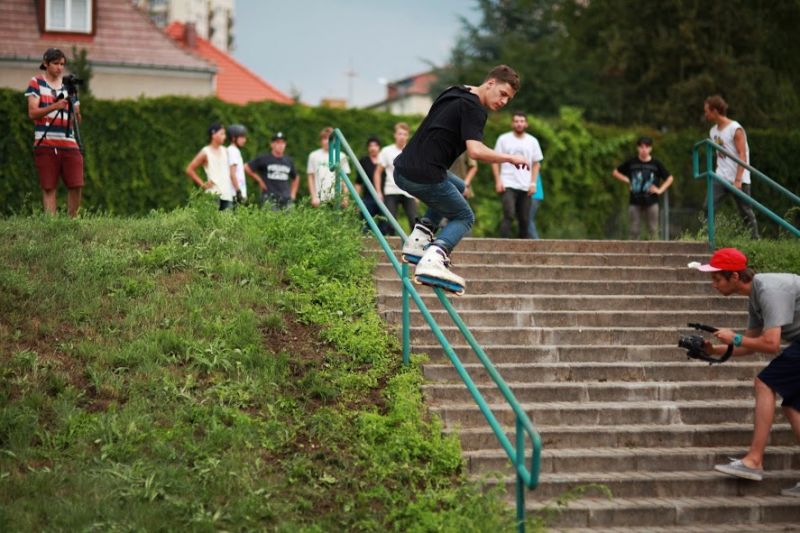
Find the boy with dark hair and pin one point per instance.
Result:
(647, 179)
(453, 125)
(56, 152)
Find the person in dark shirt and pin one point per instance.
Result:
(453, 125)
(277, 172)
(647, 178)
(368, 163)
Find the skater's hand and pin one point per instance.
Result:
(519, 161)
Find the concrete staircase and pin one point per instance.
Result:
(585, 333)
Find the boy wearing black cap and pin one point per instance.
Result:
(774, 313)
(276, 172)
(56, 152)
(647, 178)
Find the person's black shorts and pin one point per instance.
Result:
(782, 375)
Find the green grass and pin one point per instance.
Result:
(203, 371)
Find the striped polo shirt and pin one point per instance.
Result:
(57, 136)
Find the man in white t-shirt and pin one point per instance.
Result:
(388, 191)
(238, 137)
(730, 135)
(321, 180)
(517, 185)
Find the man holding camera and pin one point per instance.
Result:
(774, 313)
(55, 111)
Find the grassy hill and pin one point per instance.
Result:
(196, 370)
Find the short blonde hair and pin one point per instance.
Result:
(325, 133)
(401, 126)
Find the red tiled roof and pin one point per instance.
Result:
(123, 36)
(235, 82)
(417, 84)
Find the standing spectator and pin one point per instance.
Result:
(517, 186)
(322, 180)
(214, 159)
(238, 137)
(536, 201)
(647, 178)
(276, 174)
(388, 191)
(465, 168)
(730, 135)
(56, 152)
(369, 162)
(454, 124)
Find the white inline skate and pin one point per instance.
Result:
(414, 247)
(434, 270)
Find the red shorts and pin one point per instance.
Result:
(54, 162)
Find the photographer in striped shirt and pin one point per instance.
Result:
(55, 114)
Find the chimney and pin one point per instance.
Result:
(190, 35)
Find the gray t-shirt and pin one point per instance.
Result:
(775, 302)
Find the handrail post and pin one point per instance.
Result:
(666, 215)
(337, 193)
(710, 196)
(406, 319)
(520, 460)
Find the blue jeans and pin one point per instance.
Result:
(532, 232)
(444, 200)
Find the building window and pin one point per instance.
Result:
(68, 15)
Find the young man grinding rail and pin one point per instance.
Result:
(774, 313)
(454, 124)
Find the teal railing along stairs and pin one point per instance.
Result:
(527, 476)
(710, 176)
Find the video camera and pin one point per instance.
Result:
(693, 344)
(71, 84)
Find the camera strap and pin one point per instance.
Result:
(705, 357)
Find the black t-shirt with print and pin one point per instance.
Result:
(643, 174)
(276, 173)
(456, 117)
(369, 170)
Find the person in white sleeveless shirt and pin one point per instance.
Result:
(731, 136)
(214, 159)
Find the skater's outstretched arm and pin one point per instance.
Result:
(481, 152)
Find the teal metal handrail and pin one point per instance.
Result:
(712, 147)
(527, 477)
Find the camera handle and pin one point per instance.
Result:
(705, 357)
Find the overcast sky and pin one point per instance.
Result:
(312, 44)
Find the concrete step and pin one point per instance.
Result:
(532, 336)
(523, 286)
(593, 259)
(504, 354)
(662, 459)
(594, 319)
(549, 272)
(594, 371)
(467, 415)
(552, 302)
(469, 244)
(608, 391)
(671, 484)
(711, 511)
(630, 435)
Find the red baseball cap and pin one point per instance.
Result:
(729, 259)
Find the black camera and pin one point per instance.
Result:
(71, 83)
(693, 344)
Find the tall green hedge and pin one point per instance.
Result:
(137, 150)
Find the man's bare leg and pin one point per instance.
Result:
(49, 201)
(764, 414)
(73, 201)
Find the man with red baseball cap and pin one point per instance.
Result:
(774, 313)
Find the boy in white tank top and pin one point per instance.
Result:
(730, 135)
(214, 159)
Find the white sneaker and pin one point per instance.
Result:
(435, 264)
(794, 491)
(414, 247)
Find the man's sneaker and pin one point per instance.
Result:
(414, 247)
(739, 469)
(794, 491)
(435, 265)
